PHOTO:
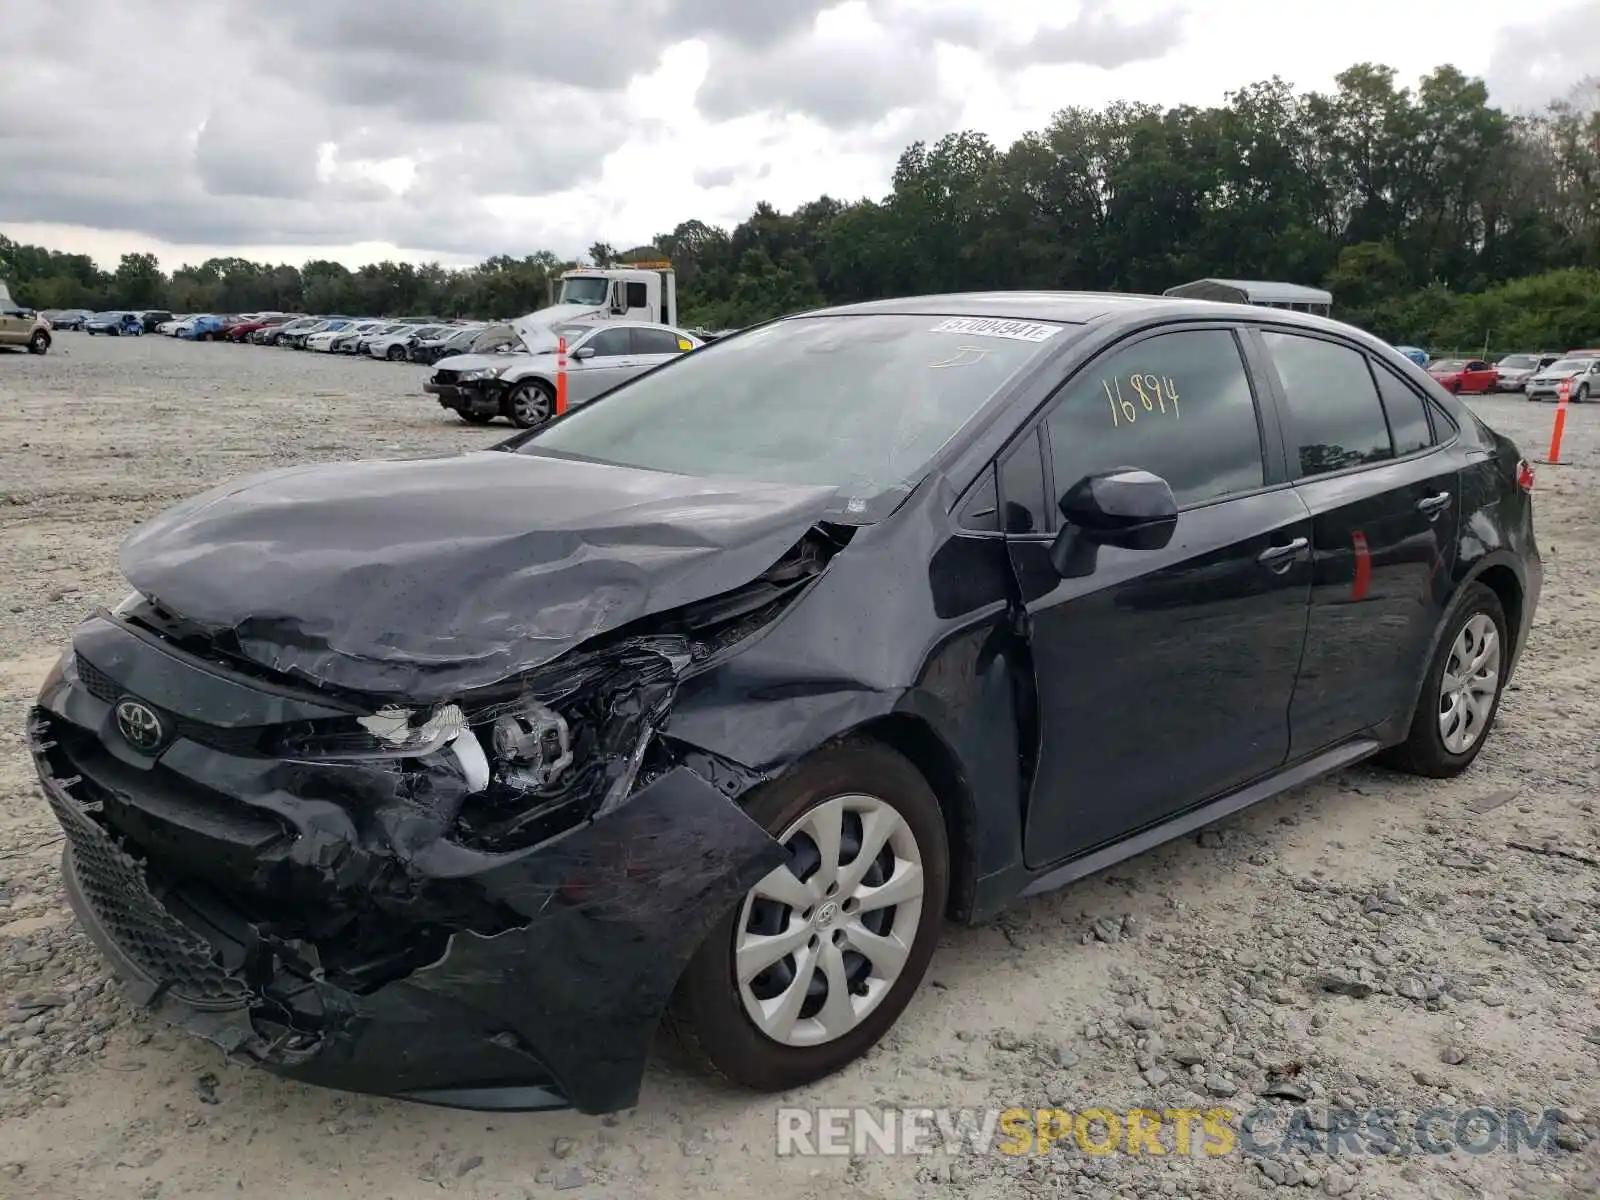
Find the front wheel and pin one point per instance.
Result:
(39, 342)
(530, 403)
(1461, 693)
(1581, 394)
(817, 962)
(395, 353)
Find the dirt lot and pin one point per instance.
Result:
(1470, 969)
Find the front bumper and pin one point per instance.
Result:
(554, 1007)
(479, 397)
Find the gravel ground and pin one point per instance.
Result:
(1370, 941)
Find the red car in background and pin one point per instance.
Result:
(1465, 375)
(240, 331)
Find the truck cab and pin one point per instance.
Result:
(635, 292)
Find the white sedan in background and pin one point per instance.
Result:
(397, 346)
(324, 341)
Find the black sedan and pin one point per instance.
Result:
(713, 699)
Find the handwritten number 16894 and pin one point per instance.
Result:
(1152, 393)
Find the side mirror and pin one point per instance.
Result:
(1127, 508)
(583, 352)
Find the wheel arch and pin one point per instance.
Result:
(1508, 588)
(1499, 574)
(914, 739)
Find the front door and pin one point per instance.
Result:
(1385, 502)
(611, 363)
(1164, 676)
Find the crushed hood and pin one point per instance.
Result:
(534, 328)
(474, 362)
(418, 579)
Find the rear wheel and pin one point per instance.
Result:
(1461, 693)
(530, 403)
(821, 957)
(39, 342)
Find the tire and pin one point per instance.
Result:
(709, 1013)
(1582, 394)
(208, 337)
(530, 403)
(395, 353)
(1425, 750)
(39, 343)
(475, 418)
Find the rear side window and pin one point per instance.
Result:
(1407, 413)
(1177, 404)
(1335, 417)
(655, 341)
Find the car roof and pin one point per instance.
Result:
(1077, 308)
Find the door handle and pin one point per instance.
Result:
(1276, 554)
(1433, 504)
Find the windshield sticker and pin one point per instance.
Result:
(1017, 331)
(1152, 393)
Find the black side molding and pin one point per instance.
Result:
(1314, 768)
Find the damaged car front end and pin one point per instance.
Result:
(450, 877)
(449, 779)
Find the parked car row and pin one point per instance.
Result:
(1537, 375)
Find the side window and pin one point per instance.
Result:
(1407, 413)
(655, 341)
(1022, 499)
(1335, 417)
(638, 295)
(609, 343)
(1177, 404)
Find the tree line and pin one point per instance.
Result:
(1433, 216)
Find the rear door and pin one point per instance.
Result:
(1479, 377)
(1384, 499)
(653, 346)
(1164, 676)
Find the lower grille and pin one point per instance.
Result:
(113, 884)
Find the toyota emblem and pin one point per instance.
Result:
(139, 726)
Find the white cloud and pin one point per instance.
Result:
(352, 131)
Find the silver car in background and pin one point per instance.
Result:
(1583, 374)
(521, 386)
(1516, 369)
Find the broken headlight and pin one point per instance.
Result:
(391, 732)
(532, 745)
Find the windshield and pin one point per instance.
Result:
(1570, 364)
(1450, 364)
(585, 289)
(1517, 362)
(860, 403)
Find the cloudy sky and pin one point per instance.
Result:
(456, 129)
